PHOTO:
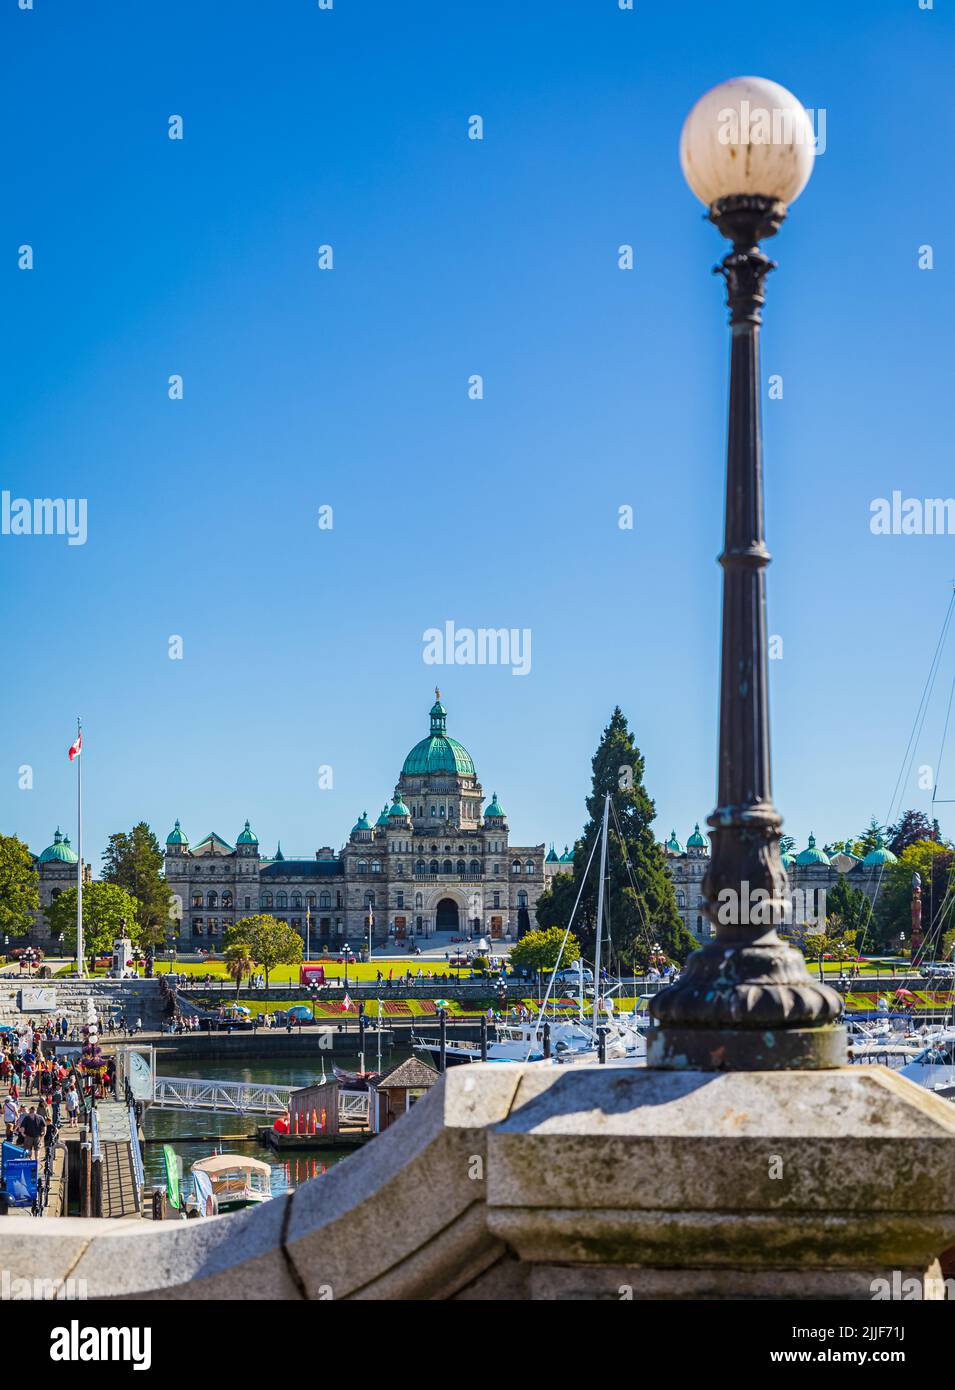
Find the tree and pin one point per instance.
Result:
(638, 914)
(270, 942)
(134, 861)
(848, 906)
(935, 865)
(539, 950)
(869, 838)
(19, 887)
(106, 907)
(909, 829)
(238, 962)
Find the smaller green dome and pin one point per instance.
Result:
(673, 845)
(399, 809)
(246, 838)
(176, 836)
(552, 856)
(811, 855)
(879, 856)
(787, 858)
(278, 853)
(60, 850)
(494, 811)
(362, 823)
(567, 857)
(383, 818)
(697, 840)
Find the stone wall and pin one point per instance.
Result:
(546, 1182)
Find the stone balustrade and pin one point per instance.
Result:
(543, 1182)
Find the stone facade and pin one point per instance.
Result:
(811, 873)
(437, 859)
(57, 870)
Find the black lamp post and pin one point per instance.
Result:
(745, 1000)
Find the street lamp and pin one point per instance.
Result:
(345, 949)
(745, 1000)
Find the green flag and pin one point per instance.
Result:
(172, 1174)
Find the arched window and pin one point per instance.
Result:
(281, 900)
(310, 899)
(325, 899)
(474, 867)
(266, 899)
(226, 899)
(369, 899)
(197, 899)
(212, 900)
(460, 867)
(376, 866)
(362, 866)
(419, 866)
(529, 866)
(434, 810)
(434, 867)
(418, 900)
(516, 866)
(681, 900)
(447, 867)
(297, 900)
(522, 899)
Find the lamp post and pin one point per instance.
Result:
(745, 1000)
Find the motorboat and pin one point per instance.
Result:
(230, 1182)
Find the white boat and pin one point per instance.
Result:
(229, 1182)
(934, 1066)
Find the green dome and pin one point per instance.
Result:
(879, 856)
(811, 855)
(552, 856)
(696, 840)
(567, 857)
(246, 838)
(787, 858)
(59, 850)
(399, 809)
(383, 818)
(673, 845)
(176, 836)
(362, 823)
(437, 752)
(494, 810)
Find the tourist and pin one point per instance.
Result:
(72, 1102)
(11, 1114)
(30, 1128)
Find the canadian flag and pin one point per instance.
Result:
(76, 747)
(346, 1004)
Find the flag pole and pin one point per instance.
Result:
(79, 862)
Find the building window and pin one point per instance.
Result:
(267, 900)
(681, 900)
(447, 867)
(226, 899)
(399, 899)
(434, 810)
(460, 867)
(497, 900)
(297, 900)
(529, 866)
(521, 899)
(310, 899)
(197, 899)
(434, 867)
(419, 866)
(474, 867)
(399, 868)
(515, 866)
(212, 900)
(362, 866)
(418, 900)
(248, 904)
(376, 866)
(325, 900)
(281, 900)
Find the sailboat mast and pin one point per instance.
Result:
(600, 915)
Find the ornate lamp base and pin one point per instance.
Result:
(742, 1049)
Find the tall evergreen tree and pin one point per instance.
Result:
(910, 829)
(640, 914)
(134, 861)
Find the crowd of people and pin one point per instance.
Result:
(42, 1093)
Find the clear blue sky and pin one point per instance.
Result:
(602, 388)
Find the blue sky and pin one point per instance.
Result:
(348, 388)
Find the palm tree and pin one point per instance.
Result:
(238, 962)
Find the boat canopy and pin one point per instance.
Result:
(228, 1163)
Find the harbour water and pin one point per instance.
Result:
(177, 1127)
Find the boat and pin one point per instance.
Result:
(934, 1066)
(232, 1181)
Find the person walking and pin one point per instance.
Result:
(11, 1114)
(72, 1102)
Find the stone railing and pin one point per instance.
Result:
(543, 1182)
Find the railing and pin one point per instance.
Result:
(353, 1107)
(139, 1176)
(234, 1097)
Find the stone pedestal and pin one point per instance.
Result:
(122, 957)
